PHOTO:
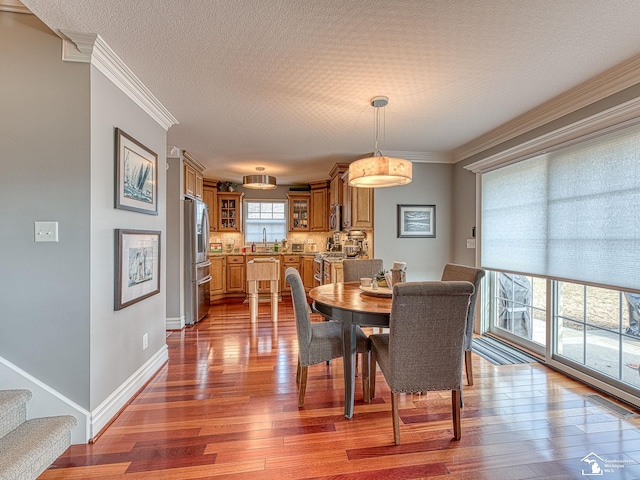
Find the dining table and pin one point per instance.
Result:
(352, 305)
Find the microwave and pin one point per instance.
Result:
(335, 218)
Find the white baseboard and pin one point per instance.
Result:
(48, 402)
(175, 323)
(45, 401)
(104, 413)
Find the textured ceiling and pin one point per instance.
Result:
(286, 84)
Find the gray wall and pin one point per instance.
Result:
(432, 185)
(45, 139)
(464, 214)
(57, 123)
(116, 336)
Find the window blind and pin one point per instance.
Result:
(571, 214)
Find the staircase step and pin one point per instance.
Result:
(13, 409)
(31, 448)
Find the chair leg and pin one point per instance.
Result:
(468, 365)
(455, 406)
(366, 393)
(396, 419)
(373, 365)
(298, 372)
(303, 384)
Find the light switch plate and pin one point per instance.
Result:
(46, 231)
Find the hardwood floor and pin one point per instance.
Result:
(225, 406)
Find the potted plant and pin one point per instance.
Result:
(231, 187)
(381, 279)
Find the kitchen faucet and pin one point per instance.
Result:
(264, 238)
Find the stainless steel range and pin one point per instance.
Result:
(320, 262)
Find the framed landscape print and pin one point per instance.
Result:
(137, 266)
(416, 221)
(136, 175)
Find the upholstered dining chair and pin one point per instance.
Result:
(320, 341)
(474, 275)
(423, 349)
(353, 269)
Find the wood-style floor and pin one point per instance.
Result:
(225, 406)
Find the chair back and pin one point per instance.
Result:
(353, 269)
(453, 272)
(300, 310)
(426, 335)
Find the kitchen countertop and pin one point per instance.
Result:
(266, 254)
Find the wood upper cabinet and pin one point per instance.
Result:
(235, 274)
(357, 211)
(210, 197)
(299, 211)
(229, 211)
(193, 178)
(319, 206)
(362, 208)
(346, 201)
(218, 276)
(335, 184)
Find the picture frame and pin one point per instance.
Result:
(136, 185)
(416, 221)
(137, 266)
(216, 247)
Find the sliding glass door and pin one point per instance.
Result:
(518, 309)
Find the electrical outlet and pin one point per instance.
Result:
(471, 243)
(145, 341)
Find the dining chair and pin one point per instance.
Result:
(423, 349)
(320, 341)
(353, 269)
(474, 275)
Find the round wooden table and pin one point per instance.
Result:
(346, 303)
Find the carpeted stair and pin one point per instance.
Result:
(29, 447)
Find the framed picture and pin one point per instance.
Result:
(416, 221)
(137, 266)
(136, 175)
(216, 247)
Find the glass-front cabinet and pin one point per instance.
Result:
(299, 211)
(230, 212)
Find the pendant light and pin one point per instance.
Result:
(379, 170)
(259, 181)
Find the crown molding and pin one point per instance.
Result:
(189, 158)
(614, 118)
(14, 6)
(420, 157)
(607, 83)
(91, 48)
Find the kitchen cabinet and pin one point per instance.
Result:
(218, 276)
(229, 211)
(332, 272)
(335, 184)
(235, 274)
(299, 211)
(307, 271)
(264, 286)
(357, 211)
(210, 197)
(193, 178)
(319, 206)
(287, 261)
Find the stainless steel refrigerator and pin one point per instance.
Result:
(197, 276)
